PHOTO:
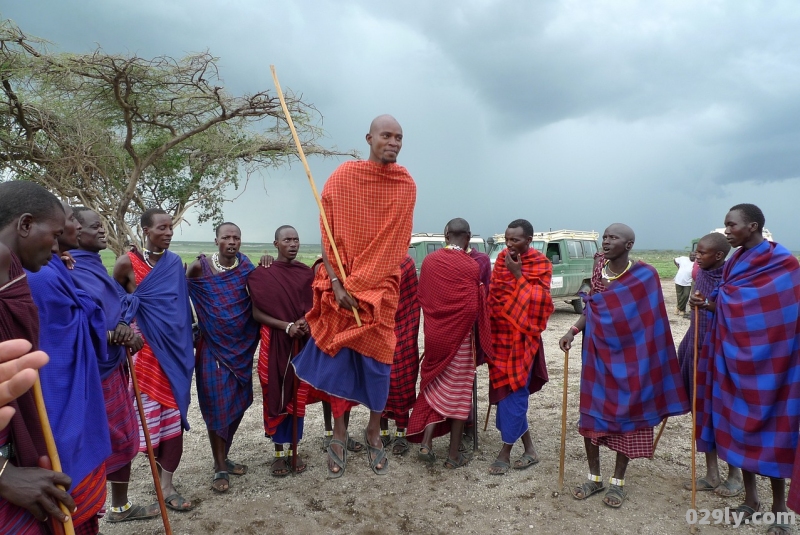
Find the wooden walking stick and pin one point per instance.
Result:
(302, 156)
(563, 422)
(658, 436)
(488, 412)
(694, 412)
(52, 451)
(294, 415)
(150, 455)
(474, 396)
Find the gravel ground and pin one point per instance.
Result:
(417, 498)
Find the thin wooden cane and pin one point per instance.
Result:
(658, 436)
(294, 415)
(488, 412)
(694, 409)
(563, 422)
(474, 396)
(150, 455)
(52, 451)
(302, 156)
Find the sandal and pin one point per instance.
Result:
(176, 497)
(354, 445)
(326, 440)
(729, 490)
(701, 485)
(400, 446)
(280, 467)
(427, 456)
(589, 488)
(785, 529)
(219, 488)
(134, 512)
(341, 462)
(616, 492)
(461, 461)
(500, 468)
(525, 461)
(748, 512)
(380, 457)
(235, 469)
(386, 439)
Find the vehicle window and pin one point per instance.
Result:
(412, 252)
(553, 251)
(589, 248)
(575, 249)
(538, 245)
(431, 247)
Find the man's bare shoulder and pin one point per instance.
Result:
(195, 269)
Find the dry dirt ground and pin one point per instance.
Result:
(417, 498)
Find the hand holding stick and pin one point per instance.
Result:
(302, 156)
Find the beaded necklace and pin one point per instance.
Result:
(454, 247)
(610, 275)
(220, 267)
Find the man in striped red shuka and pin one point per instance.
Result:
(281, 297)
(630, 378)
(159, 304)
(369, 206)
(30, 218)
(753, 378)
(520, 304)
(405, 367)
(226, 345)
(90, 275)
(454, 304)
(712, 250)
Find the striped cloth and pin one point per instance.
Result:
(370, 209)
(122, 419)
(630, 378)
(89, 496)
(754, 362)
(405, 367)
(634, 445)
(228, 339)
(162, 422)
(519, 312)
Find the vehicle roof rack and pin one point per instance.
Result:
(556, 235)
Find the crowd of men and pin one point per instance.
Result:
(344, 332)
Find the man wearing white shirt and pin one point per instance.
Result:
(683, 282)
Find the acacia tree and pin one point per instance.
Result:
(121, 134)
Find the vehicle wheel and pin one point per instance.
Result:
(577, 306)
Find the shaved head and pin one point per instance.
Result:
(385, 139)
(382, 122)
(622, 230)
(457, 226)
(716, 242)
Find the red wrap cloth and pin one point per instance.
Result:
(453, 301)
(370, 210)
(19, 318)
(519, 312)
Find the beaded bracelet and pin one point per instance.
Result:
(289, 327)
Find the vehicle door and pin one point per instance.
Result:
(556, 252)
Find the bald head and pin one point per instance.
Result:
(716, 242)
(457, 232)
(622, 230)
(457, 226)
(385, 139)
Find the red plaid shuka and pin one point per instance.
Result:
(405, 368)
(370, 210)
(519, 312)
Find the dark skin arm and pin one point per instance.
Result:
(298, 330)
(194, 270)
(123, 273)
(35, 490)
(699, 300)
(344, 299)
(566, 341)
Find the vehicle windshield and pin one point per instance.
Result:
(499, 246)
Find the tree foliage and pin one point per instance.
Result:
(121, 134)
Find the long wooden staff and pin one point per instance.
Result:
(52, 451)
(294, 415)
(302, 155)
(563, 422)
(488, 413)
(474, 396)
(150, 455)
(658, 436)
(694, 409)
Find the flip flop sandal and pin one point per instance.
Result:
(589, 488)
(326, 441)
(380, 457)
(354, 445)
(452, 465)
(280, 467)
(135, 512)
(400, 446)
(235, 469)
(180, 499)
(428, 456)
(785, 528)
(729, 490)
(340, 462)
(502, 468)
(702, 485)
(220, 476)
(617, 492)
(386, 440)
(747, 510)
(525, 461)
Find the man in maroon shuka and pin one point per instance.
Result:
(31, 219)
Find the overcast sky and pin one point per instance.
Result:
(571, 114)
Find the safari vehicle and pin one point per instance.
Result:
(766, 233)
(424, 243)
(572, 254)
